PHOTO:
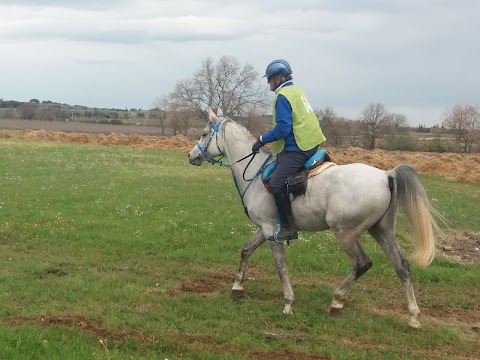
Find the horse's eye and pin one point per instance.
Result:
(204, 133)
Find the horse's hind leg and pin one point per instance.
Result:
(256, 240)
(350, 243)
(384, 234)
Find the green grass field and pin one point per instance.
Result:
(119, 253)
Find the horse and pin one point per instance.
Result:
(347, 199)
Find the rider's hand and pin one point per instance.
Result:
(257, 146)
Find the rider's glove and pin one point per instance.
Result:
(257, 146)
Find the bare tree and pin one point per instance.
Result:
(27, 110)
(374, 118)
(179, 119)
(8, 113)
(173, 120)
(46, 113)
(353, 132)
(395, 125)
(224, 84)
(329, 122)
(464, 122)
(254, 120)
(160, 107)
(398, 122)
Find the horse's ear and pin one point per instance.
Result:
(219, 112)
(211, 116)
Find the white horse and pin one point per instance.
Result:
(348, 199)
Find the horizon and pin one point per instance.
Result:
(46, 102)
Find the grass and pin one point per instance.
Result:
(118, 253)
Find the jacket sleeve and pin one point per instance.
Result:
(284, 119)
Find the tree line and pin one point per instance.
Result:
(238, 91)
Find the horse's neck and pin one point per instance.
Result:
(238, 144)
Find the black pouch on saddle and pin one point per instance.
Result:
(297, 184)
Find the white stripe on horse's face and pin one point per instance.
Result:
(195, 155)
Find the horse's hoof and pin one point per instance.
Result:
(414, 325)
(237, 294)
(335, 310)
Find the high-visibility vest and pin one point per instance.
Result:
(306, 127)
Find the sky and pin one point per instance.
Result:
(417, 58)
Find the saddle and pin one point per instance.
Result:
(297, 184)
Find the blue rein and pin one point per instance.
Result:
(213, 161)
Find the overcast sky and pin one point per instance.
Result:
(416, 57)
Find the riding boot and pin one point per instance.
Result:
(288, 229)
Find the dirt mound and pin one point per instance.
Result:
(455, 167)
(178, 142)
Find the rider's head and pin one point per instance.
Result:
(278, 72)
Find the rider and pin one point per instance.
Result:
(295, 137)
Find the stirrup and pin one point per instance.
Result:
(286, 236)
(293, 234)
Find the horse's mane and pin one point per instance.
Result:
(242, 128)
(245, 132)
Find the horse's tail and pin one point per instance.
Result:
(413, 198)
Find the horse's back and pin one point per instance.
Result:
(345, 195)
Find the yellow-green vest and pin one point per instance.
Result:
(306, 127)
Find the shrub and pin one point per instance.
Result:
(436, 145)
(403, 143)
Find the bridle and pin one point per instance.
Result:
(215, 131)
(213, 161)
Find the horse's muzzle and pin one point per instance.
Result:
(198, 160)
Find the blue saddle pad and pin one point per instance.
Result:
(269, 170)
(317, 159)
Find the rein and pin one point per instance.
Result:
(246, 167)
(213, 161)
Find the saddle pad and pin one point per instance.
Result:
(320, 169)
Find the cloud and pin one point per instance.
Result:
(406, 54)
(95, 26)
(71, 4)
(94, 61)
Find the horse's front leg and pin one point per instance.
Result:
(257, 239)
(278, 251)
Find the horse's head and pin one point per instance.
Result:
(208, 146)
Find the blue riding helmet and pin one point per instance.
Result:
(278, 67)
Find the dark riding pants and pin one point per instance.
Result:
(289, 163)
